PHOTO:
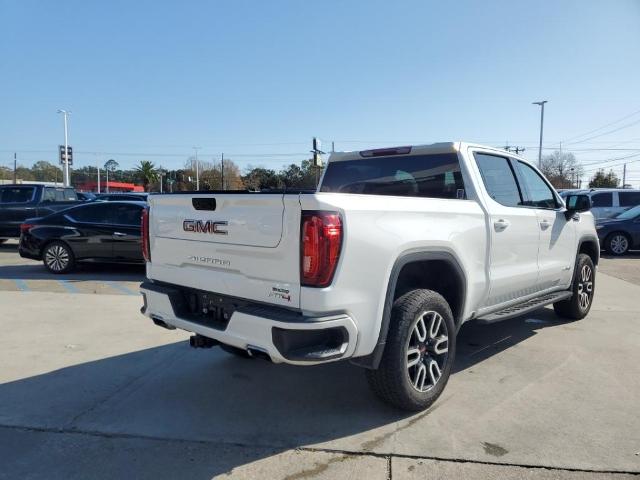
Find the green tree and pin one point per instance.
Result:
(604, 180)
(147, 172)
(46, 172)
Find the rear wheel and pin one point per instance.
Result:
(617, 243)
(58, 258)
(577, 307)
(419, 352)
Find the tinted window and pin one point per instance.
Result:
(498, 179)
(49, 195)
(94, 213)
(604, 199)
(629, 199)
(16, 194)
(127, 214)
(70, 195)
(435, 176)
(540, 195)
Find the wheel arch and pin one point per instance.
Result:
(438, 270)
(590, 245)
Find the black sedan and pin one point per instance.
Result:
(620, 234)
(99, 232)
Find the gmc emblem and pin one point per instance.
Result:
(201, 226)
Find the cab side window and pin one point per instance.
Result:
(49, 195)
(499, 179)
(539, 194)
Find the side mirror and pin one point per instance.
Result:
(577, 203)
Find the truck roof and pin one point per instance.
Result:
(432, 148)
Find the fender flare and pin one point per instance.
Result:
(590, 238)
(372, 361)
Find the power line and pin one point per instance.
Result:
(606, 133)
(600, 128)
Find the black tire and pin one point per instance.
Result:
(237, 352)
(394, 381)
(58, 258)
(578, 305)
(617, 243)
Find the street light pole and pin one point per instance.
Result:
(65, 171)
(541, 103)
(197, 169)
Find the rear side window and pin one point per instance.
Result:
(16, 194)
(604, 199)
(629, 199)
(127, 214)
(433, 176)
(49, 195)
(499, 179)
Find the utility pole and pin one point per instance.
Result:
(98, 169)
(541, 103)
(197, 169)
(15, 167)
(624, 175)
(65, 171)
(333, 147)
(222, 169)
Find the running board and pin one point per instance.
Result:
(524, 307)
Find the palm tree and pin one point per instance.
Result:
(147, 170)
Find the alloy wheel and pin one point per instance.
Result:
(57, 258)
(585, 287)
(619, 244)
(427, 350)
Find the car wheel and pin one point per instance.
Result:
(58, 258)
(617, 243)
(238, 352)
(583, 287)
(419, 352)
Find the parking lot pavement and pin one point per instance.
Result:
(626, 267)
(21, 274)
(89, 388)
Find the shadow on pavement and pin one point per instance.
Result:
(84, 271)
(175, 392)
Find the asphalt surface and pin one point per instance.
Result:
(89, 388)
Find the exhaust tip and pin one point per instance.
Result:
(257, 352)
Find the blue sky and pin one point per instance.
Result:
(256, 80)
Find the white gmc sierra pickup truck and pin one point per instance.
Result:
(381, 265)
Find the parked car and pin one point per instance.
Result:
(21, 201)
(86, 196)
(396, 249)
(620, 234)
(118, 197)
(97, 232)
(608, 202)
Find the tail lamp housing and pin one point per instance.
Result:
(321, 241)
(144, 227)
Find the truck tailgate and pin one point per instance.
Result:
(243, 245)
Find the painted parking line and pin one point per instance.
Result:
(121, 288)
(68, 286)
(22, 285)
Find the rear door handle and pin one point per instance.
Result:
(119, 234)
(501, 224)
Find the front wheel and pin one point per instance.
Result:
(419, 352)
(583, 287)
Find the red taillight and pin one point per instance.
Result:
(25, 227)
(144, 225)
(321, 240)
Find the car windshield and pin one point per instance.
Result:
(629, 214)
